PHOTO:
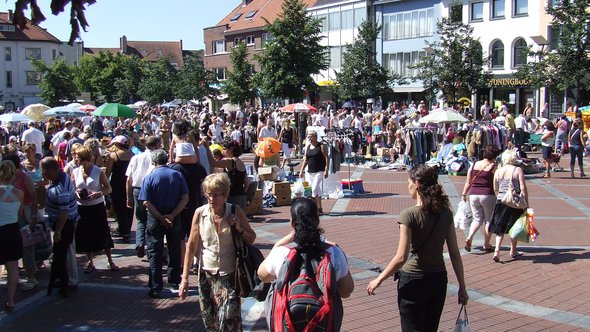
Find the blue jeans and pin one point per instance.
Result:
(141, 216)
(155, 249)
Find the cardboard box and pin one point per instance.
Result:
(268, 173)
(281, 188)
(283, 200)
(254, 207)
(383, 152)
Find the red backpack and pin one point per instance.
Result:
(305, 296)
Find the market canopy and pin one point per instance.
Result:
(299, 108)
(443, 115)
(64, 111)
(116, 110)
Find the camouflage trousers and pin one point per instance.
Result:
(220, 302)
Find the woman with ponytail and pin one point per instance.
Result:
(307, 235)
(424, 229)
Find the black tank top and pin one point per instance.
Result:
(577, 137)
(236, 178)
(288, 136)
(315, 159)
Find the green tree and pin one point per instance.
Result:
(292, 55)
(84, 75)
(361, 76)
(127, 85)
(57, 83)
(457, 64)
(194, 81)
(238, 85)
(159, 81)
(566, 67)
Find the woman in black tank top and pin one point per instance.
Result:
(236, 170)
(316, 160)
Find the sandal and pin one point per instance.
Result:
(488, 249)
(468, 245)
(8, 308)
(546, 176)
(516, 254)
(89, 268)
(113, 267)
(496, 258)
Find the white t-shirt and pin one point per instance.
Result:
(35, 136)
(266, 132)
(277, 256)
(236, 135)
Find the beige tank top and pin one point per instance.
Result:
(218, 254)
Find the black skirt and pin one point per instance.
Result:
(11, 244)
(503, 218)
(93, 232)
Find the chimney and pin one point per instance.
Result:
(123, 44)
(10, 15)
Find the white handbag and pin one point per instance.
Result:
(462, 323)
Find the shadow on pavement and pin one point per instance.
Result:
(553, 256)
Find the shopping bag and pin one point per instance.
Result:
(520, 230)
(463, 216)
(462, 323)
(298, 188)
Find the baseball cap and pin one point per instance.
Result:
(119, 139)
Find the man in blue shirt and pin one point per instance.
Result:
(165, 194)
(62, 210)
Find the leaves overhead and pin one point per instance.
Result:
(77, 16)
(457, 64)
(292, 55)
(564, 64)
(361, 76)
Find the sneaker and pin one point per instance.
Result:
(174, 288)
(140, 251)
(29, 284)
(155, 294)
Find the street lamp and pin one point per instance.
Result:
(540, 41)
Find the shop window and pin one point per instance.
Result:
(497, 55)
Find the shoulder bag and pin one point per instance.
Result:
(248, 259)
(513, 197)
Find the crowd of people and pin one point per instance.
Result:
(159, 170)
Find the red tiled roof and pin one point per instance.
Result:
(156, 50)
(268, 9)
(32, 32)
(96, 50)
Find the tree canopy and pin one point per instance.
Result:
(292, 54)
(57, 83)
(565, 64)
(193, 81)
(456, 64)
(238, 84)
(361, 76)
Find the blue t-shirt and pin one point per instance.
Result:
(163, 188)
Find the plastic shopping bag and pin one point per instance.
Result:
(520, 230)
(462, 323)
(298, 188)
(463, 217)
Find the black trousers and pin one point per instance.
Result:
(59, 270)
(421, 298)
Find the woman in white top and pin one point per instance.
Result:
(11, 245)
(183, 145)
(92, 232)
(211, 241)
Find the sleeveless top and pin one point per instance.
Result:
(236, 178)
(483, 183)
(185, 149)
(287, 136)
(315, 158)
(92, 184)
(218, 254)
(577, 138)
(549, 141)
(8, 210)
(118, 177)
(504, 184)
(204, 159)
(35, 175)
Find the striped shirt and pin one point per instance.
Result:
(61, 195)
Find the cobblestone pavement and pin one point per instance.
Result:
(547, 289)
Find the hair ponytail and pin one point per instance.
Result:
(304, 213)
(431, 192)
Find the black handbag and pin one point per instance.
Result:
(248, 259)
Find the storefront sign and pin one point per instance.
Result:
(508, 82)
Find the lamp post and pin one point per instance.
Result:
(540, 41)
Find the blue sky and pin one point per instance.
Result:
(169, 20)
